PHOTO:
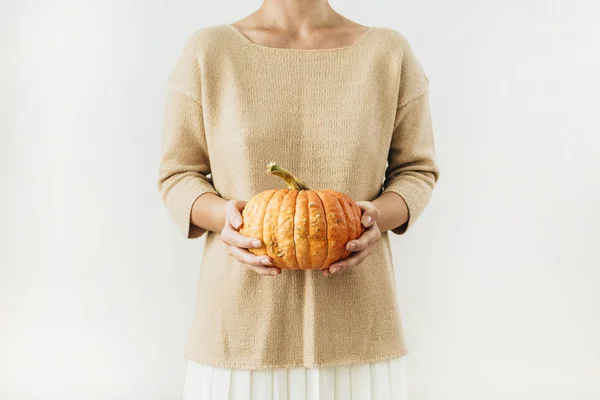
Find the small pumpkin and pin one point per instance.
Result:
(301, 228)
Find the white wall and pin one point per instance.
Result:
(498, 282)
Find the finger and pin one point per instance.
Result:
(370, 213)
(370, 236)
(352, 261)
(264, 271)
(234, 238)
(233, 212)
(245, 257)
(342, 266)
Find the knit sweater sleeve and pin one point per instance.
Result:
(184, 169)
(412, 171)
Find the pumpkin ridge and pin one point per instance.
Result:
(252, 229)
(293, 217)
(357, 215)
(308, 225)
(262, 232)
(277, 227)
(326, 227)
(347, 219)
(266, 203)
(355, 211)
(316, 230)
(286, 258)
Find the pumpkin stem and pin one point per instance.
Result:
(292, 182)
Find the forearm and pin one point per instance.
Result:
(393, 211)
(208, 212)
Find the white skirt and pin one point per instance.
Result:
(380, 380)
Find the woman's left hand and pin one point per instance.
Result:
(363, 246)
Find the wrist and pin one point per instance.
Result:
(393, 211)
(208, 212)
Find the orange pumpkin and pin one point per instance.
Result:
(301, 228)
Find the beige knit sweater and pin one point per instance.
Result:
(354, 119)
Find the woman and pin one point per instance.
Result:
(344, 107)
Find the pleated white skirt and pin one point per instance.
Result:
(380, 380)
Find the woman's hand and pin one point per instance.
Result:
(237, 244)
(362, 246)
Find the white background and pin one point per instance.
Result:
(498, 282)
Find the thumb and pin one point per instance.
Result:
(233, 211)
(370, 212)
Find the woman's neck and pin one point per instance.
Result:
(297, 15)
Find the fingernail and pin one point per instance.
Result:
(265, 261)
(334, 270)
(237, 222)
(350, 246)
(274, 272)
(366, 220)
(256, 244)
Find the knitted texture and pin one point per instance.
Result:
(354, 119)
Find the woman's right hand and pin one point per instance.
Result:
(237, 244)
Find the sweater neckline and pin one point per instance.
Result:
(250, 43)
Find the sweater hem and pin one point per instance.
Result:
(256, 366)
